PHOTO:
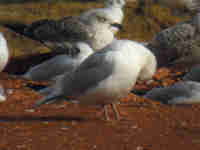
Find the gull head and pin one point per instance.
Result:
(107, 20)
(103, 25)
(109, 13)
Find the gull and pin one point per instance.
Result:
(48, 70)
(96, 27)
(105, 76)
(4, 52)
(177, 44)
(187, 92)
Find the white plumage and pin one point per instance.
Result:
(105, 76)
(4, 53)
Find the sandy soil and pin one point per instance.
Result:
(145, 125)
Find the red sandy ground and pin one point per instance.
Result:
(145, 125)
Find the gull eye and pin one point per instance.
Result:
(77, 50)
(101, 19)
(73, 51)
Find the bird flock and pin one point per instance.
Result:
(93, 67)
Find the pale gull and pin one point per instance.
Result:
(187, 92)
(4, 52)
(105, 76)
(59, 64)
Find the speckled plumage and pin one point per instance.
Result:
(179, 43)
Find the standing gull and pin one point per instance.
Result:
(59, 64)
(105, 76)
(4, 52)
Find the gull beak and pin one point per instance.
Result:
(117, 25)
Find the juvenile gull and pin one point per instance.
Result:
(95, 27)
(179, 43)
(4, 52)
(59, 64)
(105, 76)
(187, 92)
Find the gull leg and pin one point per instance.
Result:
(105, 107)
(114, 107)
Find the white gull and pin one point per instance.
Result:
(105, 76)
